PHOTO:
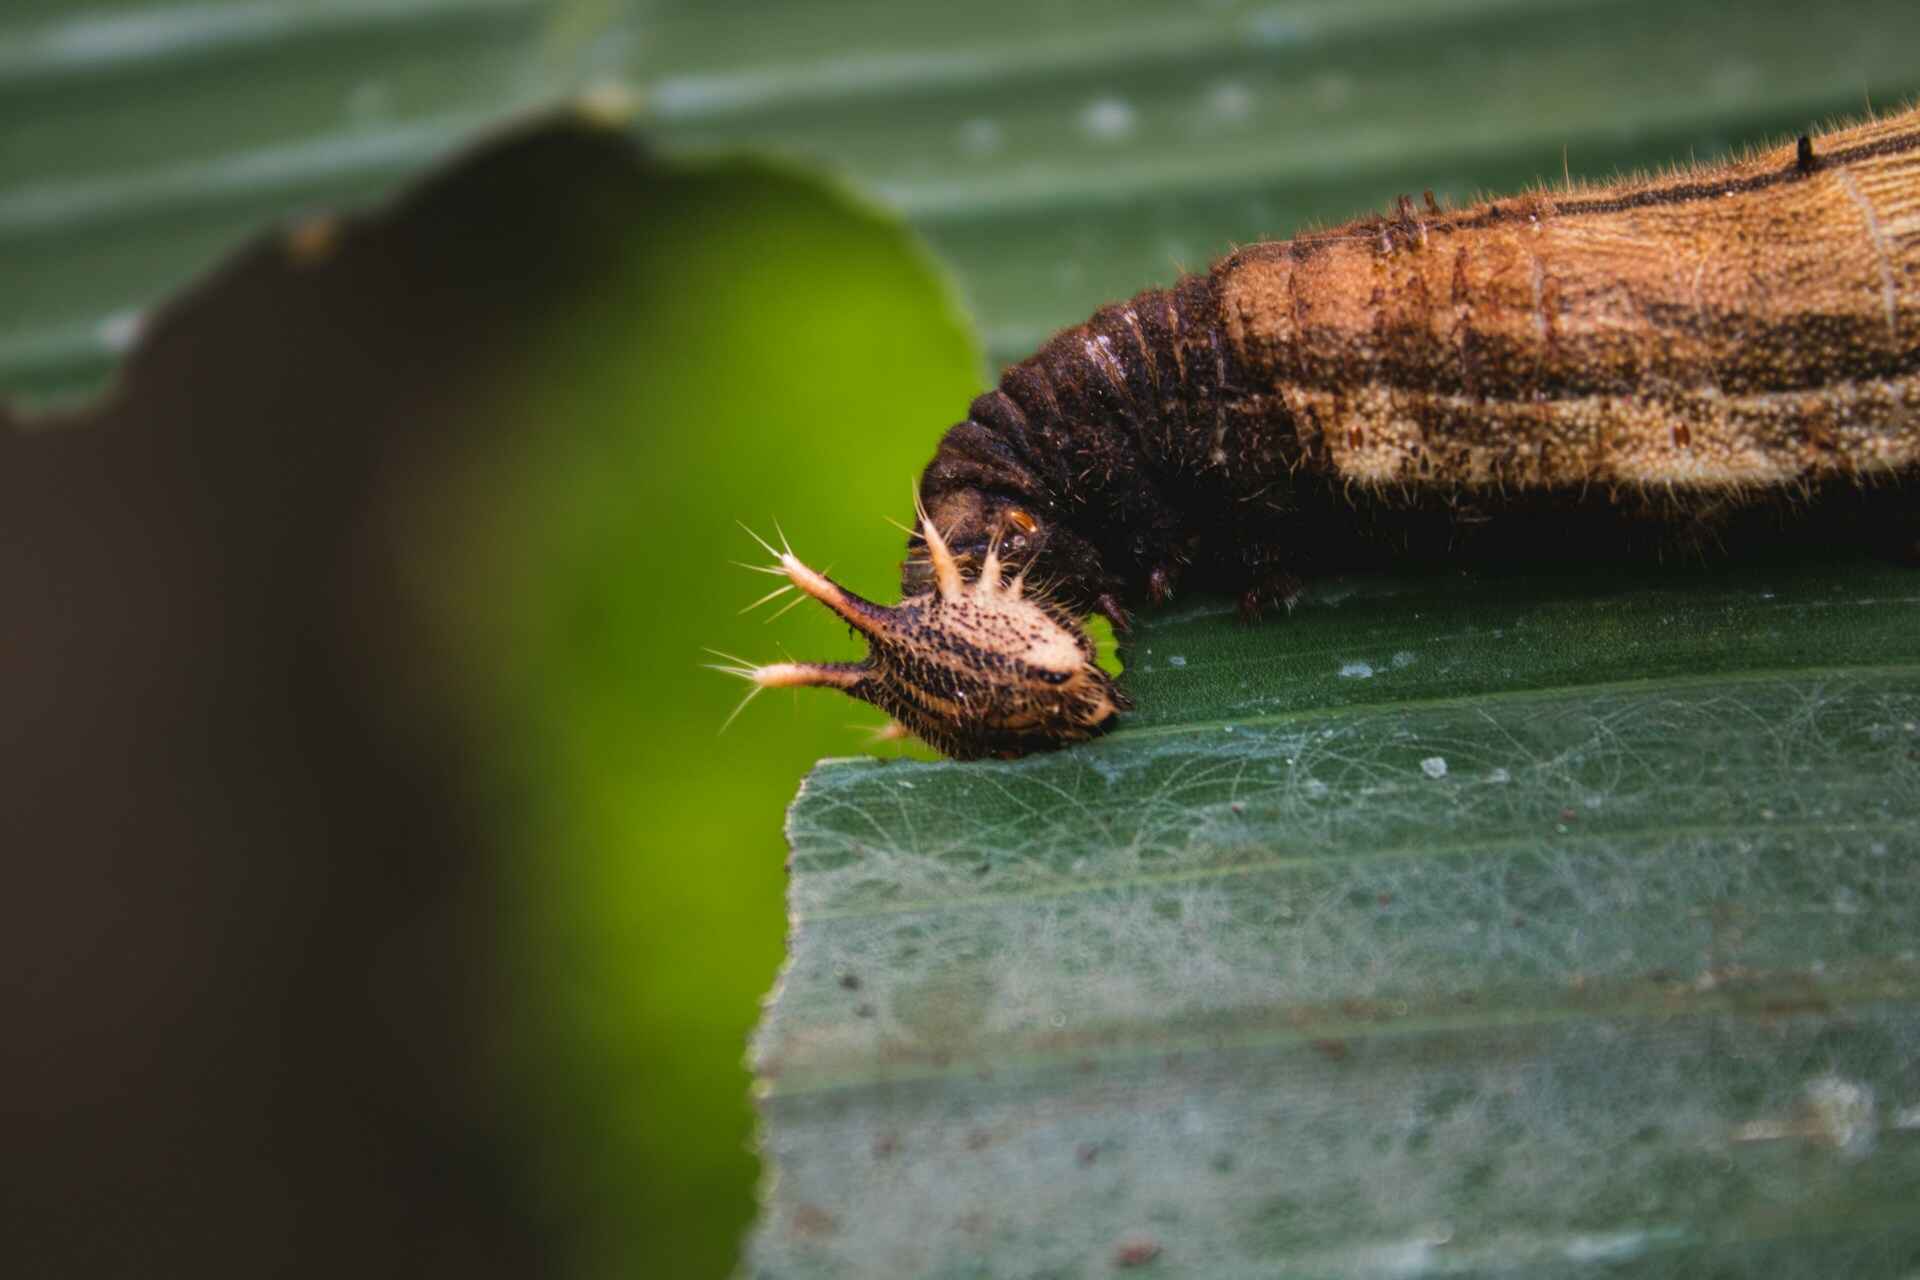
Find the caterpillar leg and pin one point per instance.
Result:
(1162, 582)
(1274, 589)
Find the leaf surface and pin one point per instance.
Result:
(1445, 925)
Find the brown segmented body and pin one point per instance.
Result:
(1675, 346)
(1664, 351)
(1752, 326)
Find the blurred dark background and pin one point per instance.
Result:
(254, 905)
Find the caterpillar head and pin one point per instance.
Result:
(979, 667)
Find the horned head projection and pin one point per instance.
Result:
(987, 666)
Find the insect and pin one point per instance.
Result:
(1668, 350)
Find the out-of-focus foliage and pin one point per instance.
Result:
(764, 351)
(1057, 154)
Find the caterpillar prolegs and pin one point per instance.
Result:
(1659, 352)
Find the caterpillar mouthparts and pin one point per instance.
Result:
(987, 667)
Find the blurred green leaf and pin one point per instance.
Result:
(759, 347)
(1458, 925)
(1058, 155)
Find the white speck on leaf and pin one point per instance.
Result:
(1356, 671)
(1843, 1109)
(120, 330)
(1107, 120)
(1434, 766)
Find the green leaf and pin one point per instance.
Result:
(1445, 925)
(1058, 155)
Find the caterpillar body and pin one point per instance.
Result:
(1676, 348)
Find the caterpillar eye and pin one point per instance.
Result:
(1022, 521)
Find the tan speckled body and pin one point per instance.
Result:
(1750, 325)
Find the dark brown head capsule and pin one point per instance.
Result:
(980, 667)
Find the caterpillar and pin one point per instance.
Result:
(1661, 351)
